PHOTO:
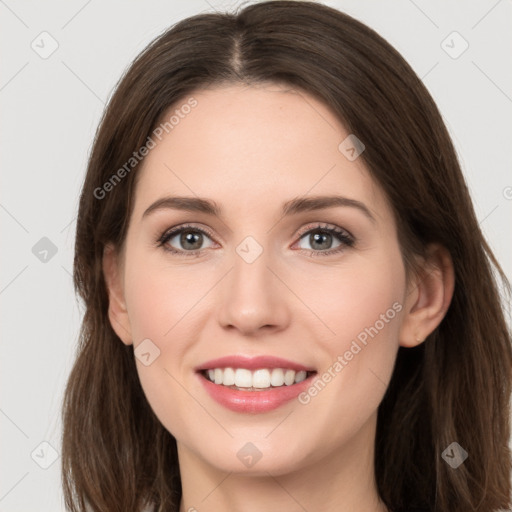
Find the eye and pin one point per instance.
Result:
(189, 237)
(320, 239)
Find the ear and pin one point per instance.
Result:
(117, 312)
(428, 297)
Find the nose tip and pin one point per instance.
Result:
(251, 301)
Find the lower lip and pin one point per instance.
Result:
(254, 401)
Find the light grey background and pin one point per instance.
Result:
(50, 110)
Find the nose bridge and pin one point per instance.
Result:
(250, 250)
(251, 278)
(250, 272)
(251, 297)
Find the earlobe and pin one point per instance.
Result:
(117, 311)
(429, 298)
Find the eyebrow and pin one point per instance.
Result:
(292, 207)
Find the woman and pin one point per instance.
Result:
(333, 337)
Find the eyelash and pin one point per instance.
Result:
(346, 239)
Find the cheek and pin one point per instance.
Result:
(367, 321)
(158, 302)
(365, 312)
(159, 306)
(158, 299)
(367, 294)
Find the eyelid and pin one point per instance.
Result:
(309, 227)
(176, 230)
(312, 226)
(323, 225)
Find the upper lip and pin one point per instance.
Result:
(252, 363)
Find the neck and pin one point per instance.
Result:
(340, 481)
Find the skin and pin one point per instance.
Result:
(238, 146)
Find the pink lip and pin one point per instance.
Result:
(253, 401)
(252, 363)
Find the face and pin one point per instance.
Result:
(317, 293)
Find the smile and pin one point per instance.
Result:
(243, 379)
(254, 384)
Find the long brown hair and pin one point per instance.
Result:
(456, 386)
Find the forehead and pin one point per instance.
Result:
(253, 147)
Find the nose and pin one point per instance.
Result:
(253, 300)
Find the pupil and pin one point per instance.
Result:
(189, 238)
(316, 238)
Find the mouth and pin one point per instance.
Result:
(262, 379)
(254, 385)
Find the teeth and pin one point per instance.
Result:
(243, 378)
(300, 376)
(228, 379)
(289, 377)
(259, 379)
